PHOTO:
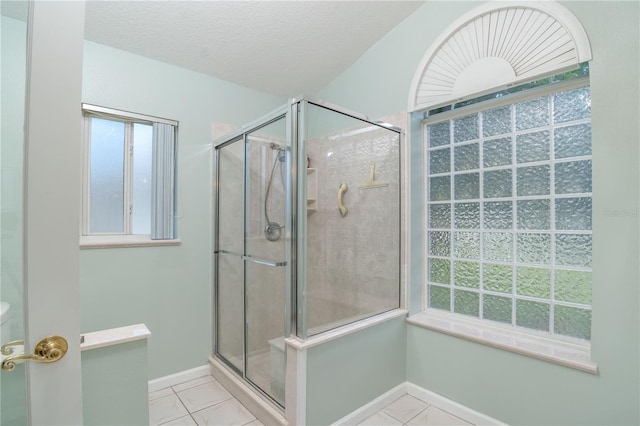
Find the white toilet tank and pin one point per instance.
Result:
(5, 330)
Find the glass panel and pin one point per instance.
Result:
(106, 198)
(265, 362)
(439, 161)
(496, 121)
(466, 303)
(440, 216)
(230, 306)
(466, 157)
(573, 177)
(467, 274)
(266, 189)
(467, 186)
(439, 134)
(497, 152)
(467, 245)
(532, 315)
(572, 141)
(529, 233)
(573, 250)
(497, 184)
(571, 321)
(440, 243)
(533, 180)
(439, 297)
(496, 308)
(265, 201)
(142, 155)
(230, 309)
(573, 286)
(440, 271)
(497, 277)
(498, 215)
(13, 56)
(353, 261)
(572, 105)
(465, 128)
(531, 114)
(573, 213)
(440, 188)
(467, 215)
(534, 214)
(230, 197)
(532, 147)
(534, 248)
(534, 282)
(498, 246)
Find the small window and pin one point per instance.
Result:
(509, 209)
(129, 174)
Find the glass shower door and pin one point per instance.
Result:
(230, 266)
(265, 234)
(251, 257)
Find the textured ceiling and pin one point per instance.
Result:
(286, 48)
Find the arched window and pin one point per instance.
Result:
(505, 97)
(495, 46)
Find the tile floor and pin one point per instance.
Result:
(204, 402)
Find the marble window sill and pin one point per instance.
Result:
(569, 354)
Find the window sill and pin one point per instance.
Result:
(123, 241)
(573, 355)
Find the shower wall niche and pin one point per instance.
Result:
(307, 234)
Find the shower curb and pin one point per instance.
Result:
(259, 407)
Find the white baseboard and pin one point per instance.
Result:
(177, 378)
(369, 409)
(450, 406)
(446, 404)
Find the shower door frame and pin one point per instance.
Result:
(240, 136)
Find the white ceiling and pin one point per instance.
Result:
(285, 48)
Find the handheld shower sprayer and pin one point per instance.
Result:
(273, 230)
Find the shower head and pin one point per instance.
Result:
(275, 146)
(280, 149)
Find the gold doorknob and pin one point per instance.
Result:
(50, 349)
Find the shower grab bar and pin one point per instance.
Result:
(265, 262)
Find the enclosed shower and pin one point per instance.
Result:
(307, 222)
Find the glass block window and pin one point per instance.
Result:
(509, 211)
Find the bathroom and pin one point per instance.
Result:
(169, 289)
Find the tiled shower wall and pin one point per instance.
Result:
(353, 261)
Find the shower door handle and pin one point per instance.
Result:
(274, 264)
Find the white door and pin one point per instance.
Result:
(40, 207)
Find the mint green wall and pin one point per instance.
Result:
(167, 288)
(13, 83)
(13, 50)
(115, 385)
(377, 84)
(510, 387)
(349, 372)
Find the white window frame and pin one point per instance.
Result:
(558, 349)
(126, 238)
